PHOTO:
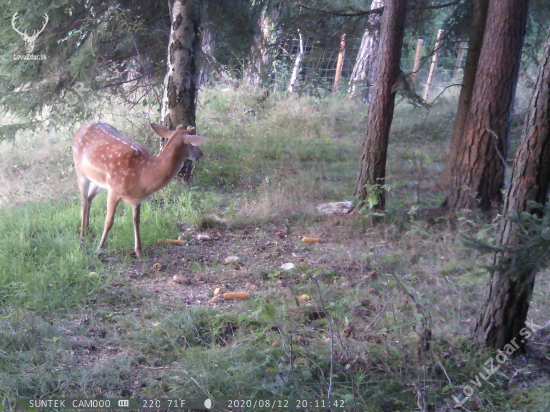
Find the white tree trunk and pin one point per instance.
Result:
(178, 101)
(297, 63)
(363, 71)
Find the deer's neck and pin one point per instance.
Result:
(166, 165)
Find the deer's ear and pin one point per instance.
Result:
(162, 131)
(195, 140)
(191, 129)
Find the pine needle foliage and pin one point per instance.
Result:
(529, 253)
(87, 48)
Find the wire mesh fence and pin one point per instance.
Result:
(317, 69)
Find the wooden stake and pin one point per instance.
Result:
(339, 63)
(417, 59)
(433, 66)
(459, 58)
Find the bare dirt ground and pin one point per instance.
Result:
(201, 264)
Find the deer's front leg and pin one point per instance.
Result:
(112, 203)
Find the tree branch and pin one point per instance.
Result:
(374, 11)
(335, 13)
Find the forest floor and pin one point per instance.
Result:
(392, 300)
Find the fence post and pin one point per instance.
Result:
(417, 59)
(339, 63)
(433, 66)
(459, 58)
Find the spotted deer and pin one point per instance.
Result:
(104, 159)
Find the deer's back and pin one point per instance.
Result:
(107, 158)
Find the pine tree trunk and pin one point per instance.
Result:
(507, 303)
(178, 102)
(372, 170)
(470, 68)
(363, 70)
(477, 172)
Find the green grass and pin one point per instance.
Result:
(44, 266)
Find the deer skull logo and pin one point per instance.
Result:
(29, 40)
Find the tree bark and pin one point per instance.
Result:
(372, 169)
(470, 69)
(178, 102)
(206, 46)
(363, 70)
(256, 65)
(477, 165)
(507, 303)
(259, 68)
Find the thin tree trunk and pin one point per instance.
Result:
(433, 65)
(470, 69)
(372, 169)
(178, 102)
(459, 59)
(507, 302)
(476, 174)
(363, 70)
(297, 64)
